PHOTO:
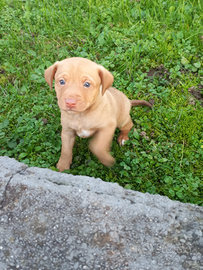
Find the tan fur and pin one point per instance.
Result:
(86, 111)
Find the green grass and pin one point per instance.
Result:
(129, 38)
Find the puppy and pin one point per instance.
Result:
(89, 107)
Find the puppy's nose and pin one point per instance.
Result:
(70, 102)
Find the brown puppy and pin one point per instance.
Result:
(89, 106)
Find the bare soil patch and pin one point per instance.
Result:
(195, 91)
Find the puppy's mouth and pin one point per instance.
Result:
(70, 110)
(75, 108)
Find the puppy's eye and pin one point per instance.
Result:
(87, 84)
(62, 82)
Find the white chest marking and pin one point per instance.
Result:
(83, 133)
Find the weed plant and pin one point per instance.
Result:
(153, 49)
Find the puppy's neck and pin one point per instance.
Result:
(97, 102)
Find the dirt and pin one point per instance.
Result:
(195, 91)
(2, 71)
(158, 72)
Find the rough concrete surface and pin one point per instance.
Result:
(51, 220)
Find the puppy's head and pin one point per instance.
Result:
(78, 83)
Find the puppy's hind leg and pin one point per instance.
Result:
(124, 130)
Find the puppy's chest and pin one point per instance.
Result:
(83, 127)
(84, 133)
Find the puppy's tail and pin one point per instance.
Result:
(140, 103)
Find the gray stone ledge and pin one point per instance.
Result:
(50, 220)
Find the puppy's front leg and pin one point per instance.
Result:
(101, 143)
(68, 140)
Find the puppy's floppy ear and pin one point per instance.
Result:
(106, 78)
(50, 73)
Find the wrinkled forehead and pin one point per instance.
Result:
(76, 68)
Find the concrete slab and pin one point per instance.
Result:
(51, 220)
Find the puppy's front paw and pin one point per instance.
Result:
(62, 166)
(107, 160)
